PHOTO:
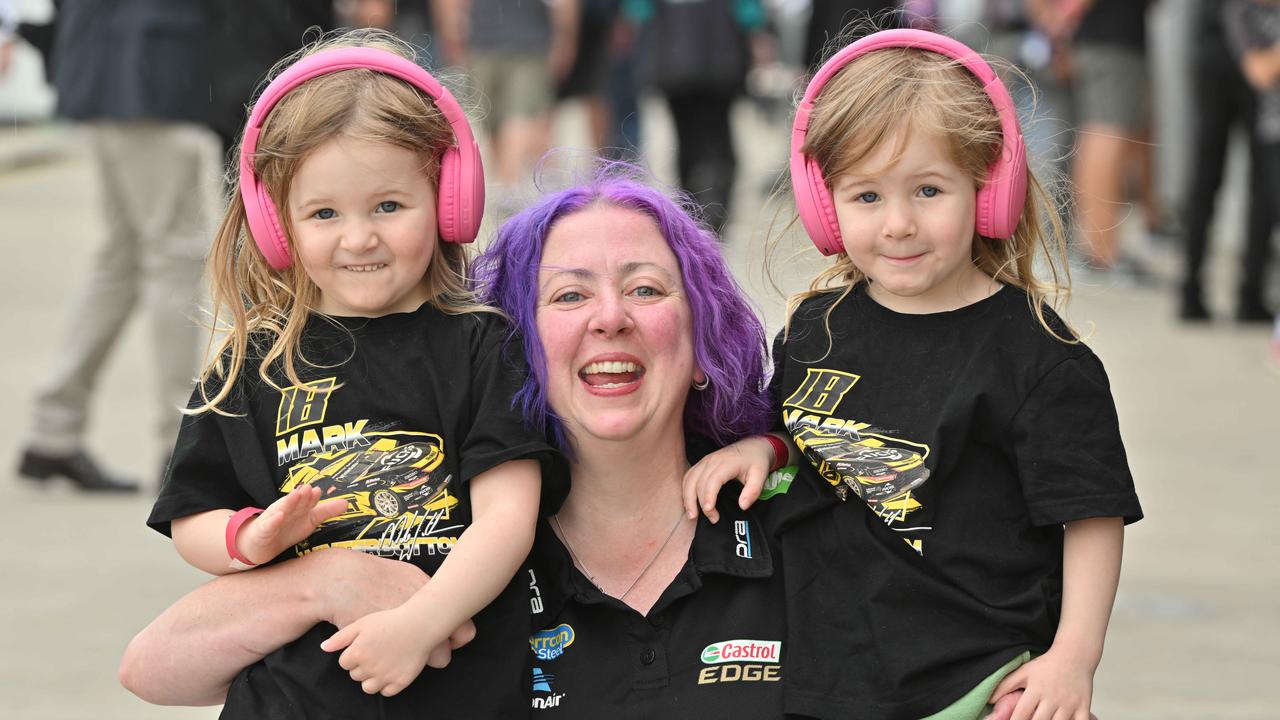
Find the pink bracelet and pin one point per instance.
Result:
(780, 452)
(234, 523)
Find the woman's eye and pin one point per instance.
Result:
(868, 197)
(388, 206)
(571, 296)
(646, 291)
(324, 214)
(929, 191)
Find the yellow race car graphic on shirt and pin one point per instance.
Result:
(873, 470)
(394, 480)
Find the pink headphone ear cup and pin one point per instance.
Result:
(278, 254)
(448, 197)
(828, 240)
(999, 202)
(263, 221)
(460, 198)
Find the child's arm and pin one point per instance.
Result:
(201, 539)
(749, 460)
(385, 651)
(1059, 684)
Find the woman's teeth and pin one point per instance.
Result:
(612, 374)
(610, 367)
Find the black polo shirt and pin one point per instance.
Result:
(711, 647)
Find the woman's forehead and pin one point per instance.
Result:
(605, 239)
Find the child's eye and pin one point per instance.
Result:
(867, 197)
(324, 214)
(388, 206)
(929, 191)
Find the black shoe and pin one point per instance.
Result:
(1253, 311)
(76, 467)
(1192, 307)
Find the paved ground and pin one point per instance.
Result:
(1195, 627)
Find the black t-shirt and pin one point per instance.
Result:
(711, 647)
(960, 442)
(418, 404)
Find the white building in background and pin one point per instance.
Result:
(24, 94)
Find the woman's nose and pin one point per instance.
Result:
(612, 316)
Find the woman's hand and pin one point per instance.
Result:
(747, 460)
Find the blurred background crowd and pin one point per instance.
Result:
(1157, 123)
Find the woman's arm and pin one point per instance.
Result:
(236, 620)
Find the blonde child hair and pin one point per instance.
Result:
(250, 299)
(911, 90)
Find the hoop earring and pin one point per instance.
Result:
(706, 383)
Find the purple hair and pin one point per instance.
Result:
(729, 342)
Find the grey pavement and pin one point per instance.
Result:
(1196, 625)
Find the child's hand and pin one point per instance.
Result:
(1057, 685)
(285, 523)
(385, 651)
(747, 460)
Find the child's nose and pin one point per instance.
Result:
(899, 219)
(359, 236)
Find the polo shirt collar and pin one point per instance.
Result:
(736, 546)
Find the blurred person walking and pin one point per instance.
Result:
(1107, 61)
(246, 38)
(1253, 32)
(836, 23)
(593, 65)
(133, 73)
(1224, 100)
(516, 51)
(697, 54)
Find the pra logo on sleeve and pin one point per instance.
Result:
(397, 493)
(856, 457)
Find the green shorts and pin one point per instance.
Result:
(974, 704)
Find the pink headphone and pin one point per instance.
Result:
(999, 202)
(459, 195)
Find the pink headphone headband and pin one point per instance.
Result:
(459, 195)
(999, 202)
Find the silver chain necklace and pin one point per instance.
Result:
(578, 561)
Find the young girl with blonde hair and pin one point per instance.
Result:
(954, 532)
(360, 393)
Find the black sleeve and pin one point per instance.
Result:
(202, 474)
(775, 384)
(1067, 447)
(498, 433)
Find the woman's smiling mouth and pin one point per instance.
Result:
(611, 374)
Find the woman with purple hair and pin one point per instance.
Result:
(641, 346)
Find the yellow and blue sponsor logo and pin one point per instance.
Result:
(551, 643)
